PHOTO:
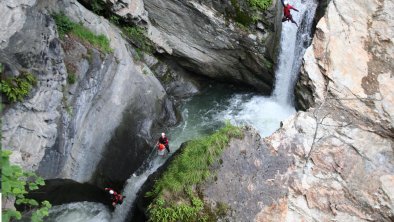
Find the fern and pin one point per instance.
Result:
(16, 88)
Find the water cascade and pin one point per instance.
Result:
(207, 112)
(265, 113)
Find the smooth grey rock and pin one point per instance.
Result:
(63, 130)
(199, 35)
(343, 144)
(31, 126)
(248, 178)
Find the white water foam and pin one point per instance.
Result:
(266, 113)
(79, 212)
(263, 113)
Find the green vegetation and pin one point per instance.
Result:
(267, 63)
(16, 88)
(260, 4)
(66, 105)
(98, 6)
(71, 78)
(137, 36)
(1, 68)
(15, 184)
(175, 194)
(251, 15)
(241, 16)
(66, 26)
(115, 19)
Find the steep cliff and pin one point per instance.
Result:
(335, 161)
(91, 115)
(343, 146)
(63, 129)
(228, 41)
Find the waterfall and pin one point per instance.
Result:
(293, 44)
(209, 111)
(263, 113)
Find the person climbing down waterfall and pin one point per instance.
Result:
(286, 12)
(164, 140)
(115, 197)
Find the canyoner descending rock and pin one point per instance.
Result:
(238, 183)
(266, 113)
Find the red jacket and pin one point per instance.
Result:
(286, 10)
(115, 197)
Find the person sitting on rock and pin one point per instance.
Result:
(115, 197)
(164, 140)
(286, 12)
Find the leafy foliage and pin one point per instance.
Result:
(187, 170)
(261, 4)
(66, 26)
(137, 36)
(16, 183)
(71, 78)
(177, 212)
(17, 88)
(241, 16)
(98, 6)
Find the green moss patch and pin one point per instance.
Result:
(66, 26)
(175, 195)
(137, 36)
(260, 4)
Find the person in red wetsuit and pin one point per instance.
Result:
(115, 197)
(164, 140)
(286, 12)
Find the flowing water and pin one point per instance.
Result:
(205, 113)
(79, 212)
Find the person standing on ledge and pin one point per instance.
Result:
(164, 140)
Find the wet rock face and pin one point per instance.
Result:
(30, 127)
(248, 178)
(62, 129)
(201, 40)
(201, 37)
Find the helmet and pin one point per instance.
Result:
(111, 192)
(286, 2)
(163, 134)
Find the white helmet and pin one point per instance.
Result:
(163, 134)
(286, 2)
(111, 192)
